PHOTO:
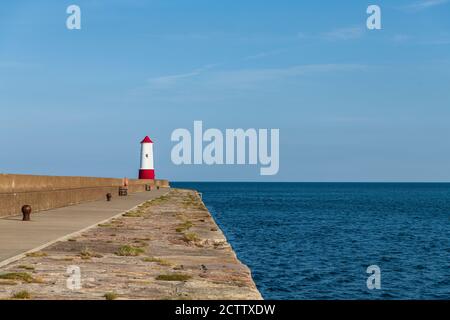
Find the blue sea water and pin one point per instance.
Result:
(316, 240)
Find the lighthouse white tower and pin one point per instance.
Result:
(147, 170)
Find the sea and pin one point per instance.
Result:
(308, 241)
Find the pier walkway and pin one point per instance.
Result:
(47, 227)
(170, 248)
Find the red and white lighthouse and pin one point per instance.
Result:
(147, 170)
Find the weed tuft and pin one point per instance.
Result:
(22, 295)
(129, 251)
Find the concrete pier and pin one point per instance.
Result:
(167, 248)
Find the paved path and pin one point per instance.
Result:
(18, 237)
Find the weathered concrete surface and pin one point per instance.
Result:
(17, 237)
(181, 254)
(49, 192)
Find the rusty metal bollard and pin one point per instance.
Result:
(108, 197)
(26, 212)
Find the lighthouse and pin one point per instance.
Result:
(147, 171)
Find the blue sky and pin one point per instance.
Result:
(351, 104)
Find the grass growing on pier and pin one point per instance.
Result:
(129, 251)
(173, 277)
(106, 225)
(115, 223)
(110, 296)
(20, 276)
(87, 254)
(36, 254)
(30, 268)
(185, 226)
(191, 237)
(157, 201)
(193, 201)
(159, 261)
(134, 214)
(23, 295)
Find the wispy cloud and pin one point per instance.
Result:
(424, 4)
(264, 54)
(181, 36)
(245, 76)
(166, 81)
(254, 76)
(336, 34)
(424, 40)
(348, 33)
(259, 75)
(216, 83)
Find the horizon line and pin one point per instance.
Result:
(373, 182)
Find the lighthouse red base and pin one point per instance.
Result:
(147, 174)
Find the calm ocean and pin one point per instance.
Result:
(315, 240)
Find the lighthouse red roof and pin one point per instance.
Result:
(147, 140)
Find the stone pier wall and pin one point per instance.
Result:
(49, 192)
